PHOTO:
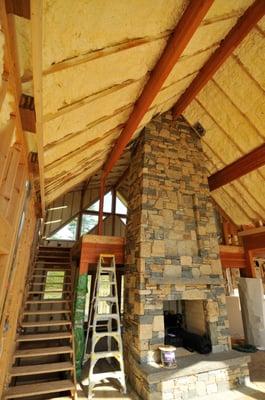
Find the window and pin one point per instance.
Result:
(120, 206)
(94, 206)
(54, 285)
(67, 232)
(88, 223)
(107, 204)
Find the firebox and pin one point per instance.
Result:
(185, 325)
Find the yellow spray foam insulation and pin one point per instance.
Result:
(255, 202)
(261, 24)
(188, 65)
(102, 107)
(243, 92)
(165, 99)
(163, 102)
(214, 137)
(255, 182)
(23, 37)
(66, 186)
(230, 207)
(69, 85)
(213, 160)
(225, 8)
(208, 35)
(77, 27)
(2, 42)
(229, 117)
(240, 199)
(170, 91)
(75, 141)
(6, 109)
(251, 53)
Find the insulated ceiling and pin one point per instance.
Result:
(96, 59)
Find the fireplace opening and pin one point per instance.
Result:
(185, 325)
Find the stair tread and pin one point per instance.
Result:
(43, 351)
(54, 276)
(39, 388)
(52, 262)
(51, 284)
(49, 291)
(44, 336)
(53, 269)
(45, 323)
(55, 301)
(41, 368)
(45, 312)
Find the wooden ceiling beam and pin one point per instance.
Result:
(36, 8)
(245, 164)
(244, 25)
(184, 31)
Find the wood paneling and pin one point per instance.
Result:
(93, 245)
(233, 257)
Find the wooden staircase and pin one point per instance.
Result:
(43, 363)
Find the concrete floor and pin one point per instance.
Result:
(255, 389)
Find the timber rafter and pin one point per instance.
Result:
(244, 25)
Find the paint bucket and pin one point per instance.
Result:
(168, 356)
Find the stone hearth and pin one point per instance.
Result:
(172, 249)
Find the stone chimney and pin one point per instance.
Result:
(172, 248)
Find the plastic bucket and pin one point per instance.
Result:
(168, 356)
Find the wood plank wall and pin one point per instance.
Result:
(17, 201)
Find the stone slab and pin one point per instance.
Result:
(194, 364)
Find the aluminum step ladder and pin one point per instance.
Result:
(105, 325)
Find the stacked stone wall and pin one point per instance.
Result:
(172, 248)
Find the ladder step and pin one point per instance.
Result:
(103, 317)
(41, 369)
(39, 388)
(105, 354)
(47, 351)
(107, 269)
(108, 298)
(46, 312)
(106, 375)
(44, 336)
(98, 335)
(45, 323)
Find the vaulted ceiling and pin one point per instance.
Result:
(87, 62)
